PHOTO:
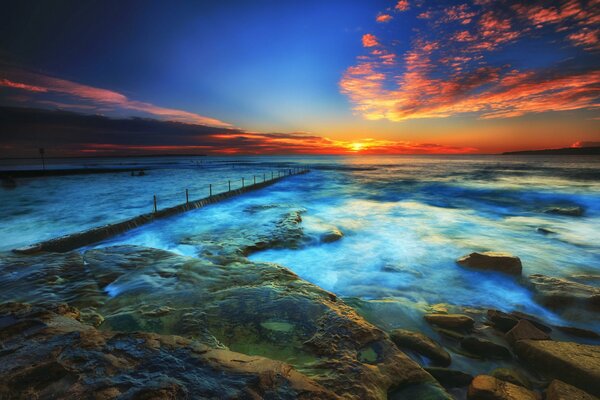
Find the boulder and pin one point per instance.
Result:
(579, 332)
(47, 353)
(558, 390)
(533, 320)
(485, 387)
(332, 235)
(484, 348)
(450, 321)
(450, 378)
(421, 344)
(525, 330)
(501, 320)
(573, 363)
(511, 375)
(569, 211)
(493, 261)
(558, 293)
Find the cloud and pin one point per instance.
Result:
(65, 133)
(456, 64)
(369, 40)
(37, 83)
(402, 5)
(383, 18)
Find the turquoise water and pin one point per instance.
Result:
(405, 220)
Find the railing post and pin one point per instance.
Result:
(229, 183)
(210, 190)
(155, 204)
(187, 196)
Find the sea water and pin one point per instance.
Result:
(405, 219)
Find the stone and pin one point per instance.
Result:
(450, 321)
(493, 261)
(511, 375)
(420, 343)
(485, 387)
(450, 378)
(558, 390)
(569, 211)
(533, 320)
(225, 303)
(559, 293)
(420, 391)
(579, 332)
(525, 330)
(333, 235)
(573, 363)
(68, 359)
(484, 348)
(545, 231)
(501, 320)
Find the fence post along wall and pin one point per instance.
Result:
(98, 234)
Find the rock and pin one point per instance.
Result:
(333, 235)
(450, 333)
(450, 321)
(573, 363)
(501, 320)
(558, 293)
(421, 391)
(570, 211)
(545, 231)
(64, 358)
(484, 348)
(259, 309)
(511, 375)
(533, 320)
(421, 344)
(558, 390)
(579, 332)
(450, 377)
(493, 261)
(525, 330)
(485, 387)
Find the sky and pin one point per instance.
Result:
(372, 76)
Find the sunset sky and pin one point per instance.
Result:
(323, 76)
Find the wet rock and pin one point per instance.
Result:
(511, 375)
(569, 211)
(558, 390)
(421, 391)
(574, 363)
(501, 320)
(558, 293)
(525, 330)
(68, 359)
(493, 261)
(485, 387)
(259, 309)
(450, 333)
(450, 378)
(484, 348)
(545, 231)
(533, 320)
(333, 235)
(421, 344)
(450, 321)
(579, 332)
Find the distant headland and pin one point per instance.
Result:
(575, 151)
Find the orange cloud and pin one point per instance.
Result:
(445, 75)
(38, 83)
(402, 5)
(369, 40)
(383, 18)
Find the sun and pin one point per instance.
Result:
(357, 146)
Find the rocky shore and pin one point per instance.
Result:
(130, 322)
